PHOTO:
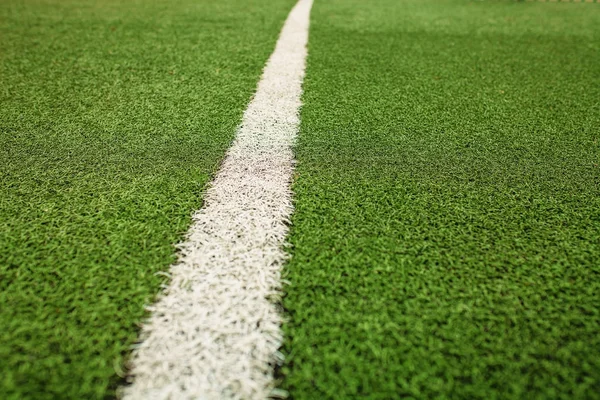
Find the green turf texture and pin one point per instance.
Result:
(114, 114)
(446, 238)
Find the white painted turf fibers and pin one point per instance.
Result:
(215, 331)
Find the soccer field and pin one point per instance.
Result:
(114, 117)
(445, 237)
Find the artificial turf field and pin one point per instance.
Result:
(446, 238)
(114, 116)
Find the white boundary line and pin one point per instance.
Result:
(216, 330)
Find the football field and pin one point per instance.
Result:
(437, 237)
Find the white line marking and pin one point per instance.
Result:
(216, 330)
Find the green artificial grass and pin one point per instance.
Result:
(446, 238)
(114, 114)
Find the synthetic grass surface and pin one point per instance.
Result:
(446, 238)
(113, 117)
